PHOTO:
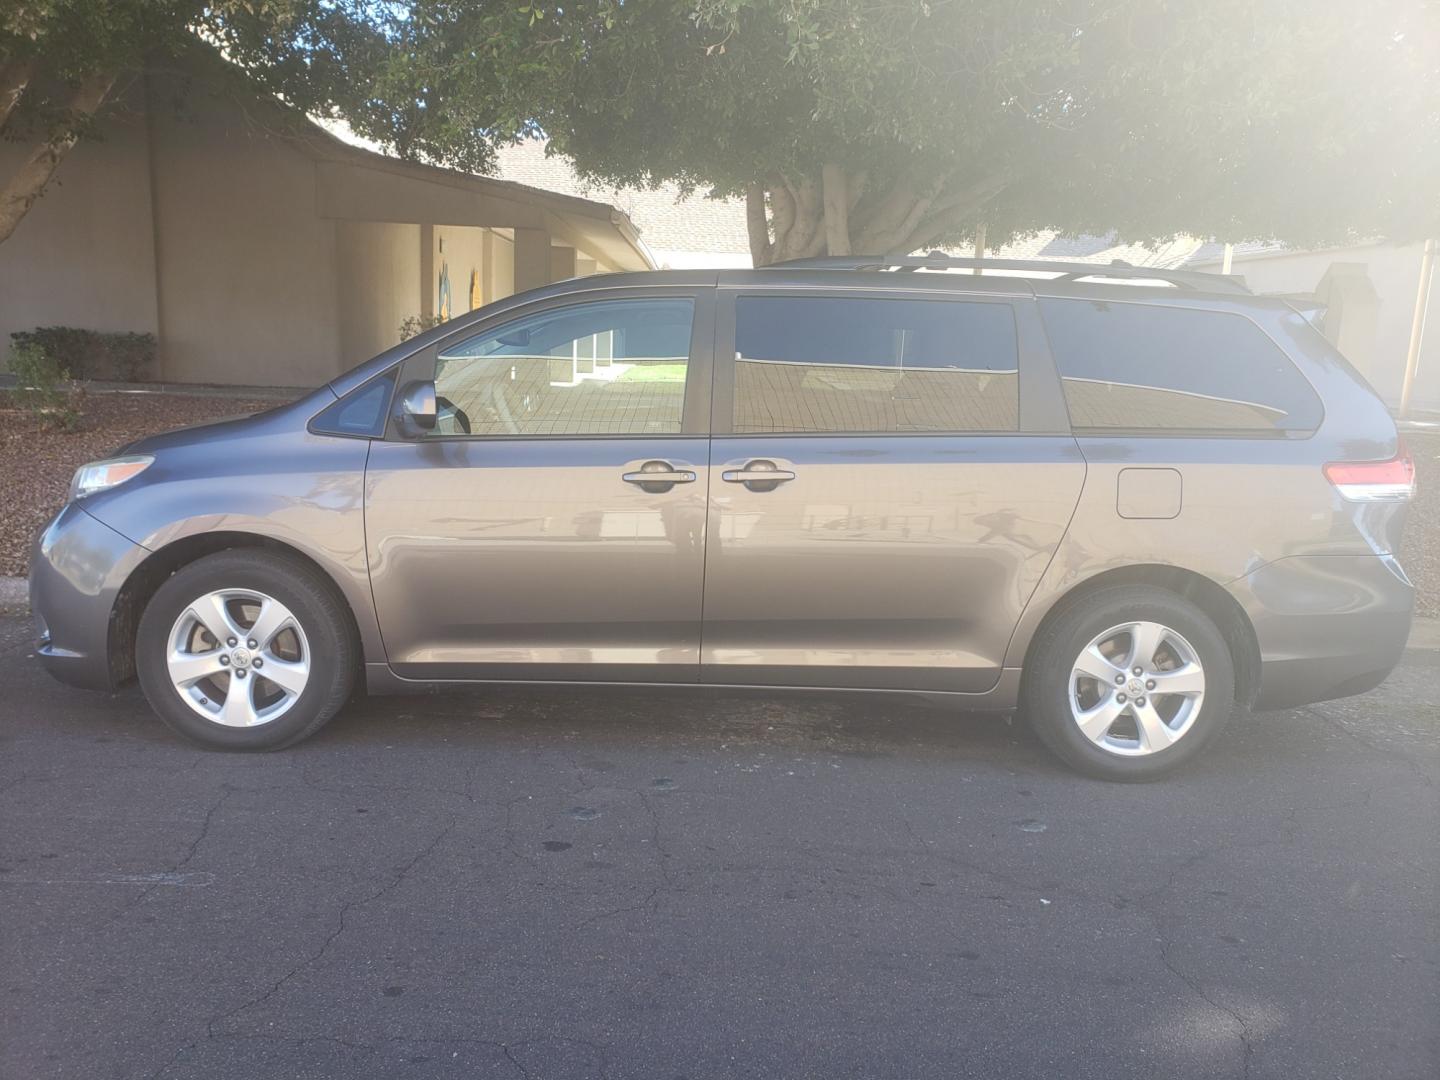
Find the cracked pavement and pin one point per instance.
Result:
(553, 883)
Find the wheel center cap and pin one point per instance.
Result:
(1136, 687)
(240, 658)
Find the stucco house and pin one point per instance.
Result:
(261, 250)
(682, 231)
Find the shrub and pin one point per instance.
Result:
(418, 324)
(43, 387)
(94, 354)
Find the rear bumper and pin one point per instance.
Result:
(77, 567)
(1328, 626)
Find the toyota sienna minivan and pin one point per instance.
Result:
(1123, 502)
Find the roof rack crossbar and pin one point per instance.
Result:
(1063, 271)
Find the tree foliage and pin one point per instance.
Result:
(63, 61)
(874, 126)
(882, 126)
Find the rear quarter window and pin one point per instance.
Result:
(1151, 369)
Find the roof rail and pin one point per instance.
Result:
(1062, 271)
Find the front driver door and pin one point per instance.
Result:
(553, 525)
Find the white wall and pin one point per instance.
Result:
(1394, 270)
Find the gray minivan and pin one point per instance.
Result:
(1120, 500)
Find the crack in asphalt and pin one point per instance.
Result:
(345, 910)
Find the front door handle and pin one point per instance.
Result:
(759, 475)
(658, 477)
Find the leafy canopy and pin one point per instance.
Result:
(1304, 120)
(871, 125)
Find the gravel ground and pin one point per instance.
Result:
(37, 464)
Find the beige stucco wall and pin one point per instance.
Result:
(460, 250)
(379, 280)
(254, 258)
(84, 254)
(248, 282)
(1394, 270)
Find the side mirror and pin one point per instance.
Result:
(417, 408)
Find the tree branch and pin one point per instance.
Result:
(882, 219)
(917, 212)
(15, 76)
(28, 182)
(782, 215)
(807, 235)
(959, 209)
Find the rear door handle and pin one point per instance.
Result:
(658, 476)
(758, 475)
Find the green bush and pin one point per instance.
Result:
(93, 354)
(43, 387)
(417, 324)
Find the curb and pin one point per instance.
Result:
(212, 390)
(15, 600)
(14, 596)
(1424, 634)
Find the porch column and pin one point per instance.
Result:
(562, 263)
(532, 259)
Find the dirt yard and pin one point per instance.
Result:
(36, 465)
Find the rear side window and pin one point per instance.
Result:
(826, 364)
(1174, 371)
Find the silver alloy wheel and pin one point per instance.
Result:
(1137, 688)
(238, 657)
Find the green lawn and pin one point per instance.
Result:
(660, 371)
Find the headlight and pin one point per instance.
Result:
(99, 475)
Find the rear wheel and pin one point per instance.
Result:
(1128, 683)
(246, 650)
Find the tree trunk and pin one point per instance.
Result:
(835, 212)
(29, 180)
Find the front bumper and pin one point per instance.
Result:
(1328, 626)
(77, 568)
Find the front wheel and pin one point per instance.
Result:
(246, 650)
(1128, 683)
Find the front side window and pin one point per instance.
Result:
(610, 367)
(827, 364)
(1173, 371)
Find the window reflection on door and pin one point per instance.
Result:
(612, 367)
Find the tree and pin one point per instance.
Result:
(849, 126)
(63, 61)
(886, 126)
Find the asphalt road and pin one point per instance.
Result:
(555, 884)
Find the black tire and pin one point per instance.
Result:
(1045, 690)
(315, 605)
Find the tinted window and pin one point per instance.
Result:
(612, 367)
(863, 365)
(360, 412)
(1138, 367)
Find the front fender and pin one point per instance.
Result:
(301, 490)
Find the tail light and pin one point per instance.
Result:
(1374, 481)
